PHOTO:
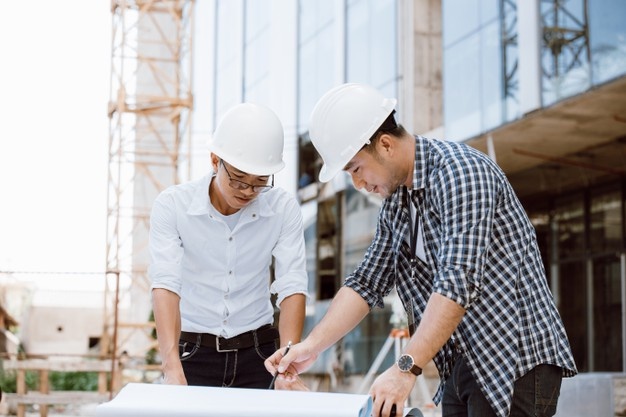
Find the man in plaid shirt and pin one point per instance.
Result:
(457, 245)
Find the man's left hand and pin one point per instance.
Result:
(390, 389)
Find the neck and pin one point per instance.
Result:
(408, 152)
(218, 201)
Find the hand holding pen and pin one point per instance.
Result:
(276, 374)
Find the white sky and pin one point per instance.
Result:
(54, 90)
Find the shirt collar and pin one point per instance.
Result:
(419, 168)
(200, 202)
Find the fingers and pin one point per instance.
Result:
(285, 360)
(386, 410)
(277, 363)
(271, 363)
(290, 381)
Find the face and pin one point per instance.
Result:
(375, 171)
(235, 189)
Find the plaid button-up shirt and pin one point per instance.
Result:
(481, 252)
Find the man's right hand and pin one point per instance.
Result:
(299, 358)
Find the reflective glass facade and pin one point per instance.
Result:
(583, 44)
(479, 65)
(256, 51)
(371, 44)
(317, 52)
(228, 47)
(583, 239)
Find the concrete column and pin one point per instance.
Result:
(427, 64)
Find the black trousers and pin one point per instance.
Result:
(242, 368)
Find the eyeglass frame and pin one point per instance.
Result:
(240, 185)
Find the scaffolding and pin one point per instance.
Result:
(149, 149)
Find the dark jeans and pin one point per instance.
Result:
(535, 394)
(241, 368)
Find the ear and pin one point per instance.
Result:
(385, 144)
(215, 160)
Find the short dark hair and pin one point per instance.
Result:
(389, 126)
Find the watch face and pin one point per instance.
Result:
(405, 363)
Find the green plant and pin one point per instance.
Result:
(8, 380)
(73, 381)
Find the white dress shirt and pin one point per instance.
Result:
(221, 275)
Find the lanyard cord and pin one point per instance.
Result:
(413, 229)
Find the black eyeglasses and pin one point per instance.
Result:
(240, 185)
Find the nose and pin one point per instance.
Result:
(248, 192)
(357, 181)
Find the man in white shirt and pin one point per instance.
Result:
(212, 244)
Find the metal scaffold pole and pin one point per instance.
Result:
(149, 147)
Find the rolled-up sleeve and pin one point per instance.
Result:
(166, 251)
(467, 204)
(289, 255)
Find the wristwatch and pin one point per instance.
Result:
(407, 364)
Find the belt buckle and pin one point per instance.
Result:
(217, 346)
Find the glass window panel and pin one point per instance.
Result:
(371, 42)
(489, 10)
(573, 310)
(564, 50)
(607, 315)
(316, 56)
(461, 74)
(227, 81)
(539, 215)
(314, 15)
(360, 225)
(383, 43)
(606, 222)
(257, 51)
(510, 59)
(460, 18)
(491, 76)
(310, 248)
(316, 60)
(362, 345)
(607, 36)
(227, 47)
(358, 59)
(257, 17)
(570, 222)
(256, 61)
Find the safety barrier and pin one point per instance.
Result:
(44, 397)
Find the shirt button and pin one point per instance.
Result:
(230, 238)
(254, 215)
(230, 272)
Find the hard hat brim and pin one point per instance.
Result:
(327, 172)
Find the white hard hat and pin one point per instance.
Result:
(250, 137)
(343, 120)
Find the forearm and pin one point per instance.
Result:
(346, 311)
(166, 307)
(441, 318)
(291, 318)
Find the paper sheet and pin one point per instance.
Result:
(159, 400)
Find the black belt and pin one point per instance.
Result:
(260, 336)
